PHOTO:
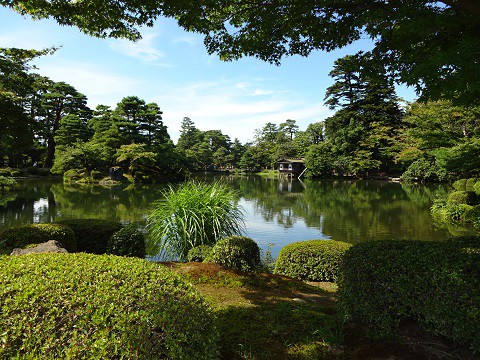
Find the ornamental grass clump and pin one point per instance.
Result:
(194, 214)
(314, 260)
(84, 306)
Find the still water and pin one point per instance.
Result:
(276, 212)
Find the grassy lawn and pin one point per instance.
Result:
(263, 316)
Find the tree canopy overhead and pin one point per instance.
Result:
(434, 46)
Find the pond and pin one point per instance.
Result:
(277, 211)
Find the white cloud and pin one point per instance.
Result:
(143, 49)
(95, 82)
(224, 105)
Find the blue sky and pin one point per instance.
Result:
(172, 68)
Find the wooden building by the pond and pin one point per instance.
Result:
(291, 167)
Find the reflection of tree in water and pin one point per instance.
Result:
(346, 210)
(126, 204)
(276, 200)
(22, 206)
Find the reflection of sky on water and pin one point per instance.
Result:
(272, 232)
(40, 208)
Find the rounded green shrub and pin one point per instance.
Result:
(460, 185)
(472, 216)
(470, 183)
(199, 253)
(83, 306)
(314, 260)
(462, 197)
(476, 187)
(92, 235)
(127, 241)
(436, 284)
(7, 182)
(236, 252)
(21, 236)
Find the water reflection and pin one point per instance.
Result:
(277, 211)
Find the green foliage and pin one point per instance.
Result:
(90, 307)
(460, 185)
(422, 170)
(462, 197)
(7, 182)
(472, 216)
(199, 253)
(470, 183)
(92, 235)
(314, 260)
(194, 214)
(476, 187)
(127, 241)
(236, 252)
(21, 236)
(436, 284)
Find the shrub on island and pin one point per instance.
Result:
(460, 185)
(21, 236)
(462, 197)
(237, 253)
(199, 253)
(436, 284)
(314, 260)
(127, 241)
(92, 235)
(83, 306)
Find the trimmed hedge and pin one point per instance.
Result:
(236, 252)
(82, 306)
(460, 185)
(314, 260)
(127, 241)
(21, 236)
(437, 284)
(462, 197)
(92, 235)
(199, 253)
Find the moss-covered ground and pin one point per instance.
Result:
(263, 316)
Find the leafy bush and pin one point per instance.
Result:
(21, 236)
(199, 253)
(472, 216)
(7, 182)
(314, 260)
(236, 252)
(462, 197)
(194, 214)
(436, 284)
(127, 241)
(460, 185)
(422, 170)
(476, 187)
(92, 235)
(81, 306)
(73, 175)
(470, 183)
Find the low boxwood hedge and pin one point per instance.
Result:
(21, 236)
(92, 235)
(236, 252)
(83, 306)
(437, 284)
(199, 253)
(314, 260)
(127, 241)
(462, 197)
